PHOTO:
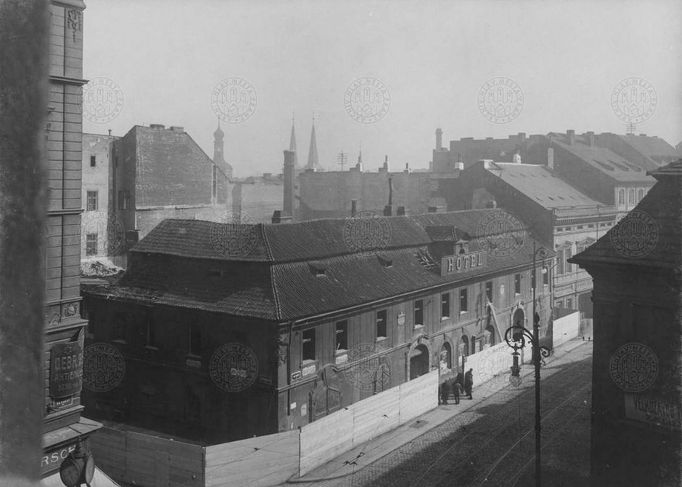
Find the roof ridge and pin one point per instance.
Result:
(266, 243)
(275, 293)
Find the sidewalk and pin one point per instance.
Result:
(367, 453)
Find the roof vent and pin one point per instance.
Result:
(157, 126)
(176, 128)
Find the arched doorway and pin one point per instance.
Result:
(419, 361)
(463, 350)
(445, 358)
(473, 345)
(491, 334)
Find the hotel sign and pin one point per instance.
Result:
(652, 410)
(455, 264)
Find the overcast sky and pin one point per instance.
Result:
(433, 56)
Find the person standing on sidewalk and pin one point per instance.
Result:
(456, 389)
(469, 382)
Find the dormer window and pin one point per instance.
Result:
(317, 268)
(385, 261)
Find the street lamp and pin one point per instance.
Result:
(516, 337)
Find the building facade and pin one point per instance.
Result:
(561, 214)
(636, 378)
(221, 343)
(63, 425)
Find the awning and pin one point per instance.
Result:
(100, 479)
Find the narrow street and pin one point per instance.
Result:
(493, 443)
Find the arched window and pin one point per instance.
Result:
(445, 357)
(631, 196)
(640, 195)
(621, 196)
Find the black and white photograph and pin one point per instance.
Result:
(361, 243)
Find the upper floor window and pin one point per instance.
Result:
(308, 342)
(517, 283)
(91, 244)
(91, 201)
(640, 195)
(560, 262)
(569, 253)
(341, 332)
(419, 312)
(93, 161)
(194, 340)
(123, 200)
(463, 300)
(631, 196)
(621, 196)
(445, 305)
(382, 318)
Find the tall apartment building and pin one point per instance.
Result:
(63, 425)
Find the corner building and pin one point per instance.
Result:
(307, 308)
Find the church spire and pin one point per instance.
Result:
(218, 145)
(313, 161)
(292, 142)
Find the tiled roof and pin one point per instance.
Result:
(652, 147)
(302, 269)
(541, 185)
(650, 234)
(603, 159)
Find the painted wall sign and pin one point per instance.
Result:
(652, 410)
(66, 369)
(53, 458)
(233, 367)
(455, 264)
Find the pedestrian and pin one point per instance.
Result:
(469, 382)
(456, 389)
(443, 392)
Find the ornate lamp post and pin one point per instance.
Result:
(516, 337)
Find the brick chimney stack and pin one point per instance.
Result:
(439, 139)
(289, 174)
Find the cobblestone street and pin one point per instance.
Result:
(493, 442)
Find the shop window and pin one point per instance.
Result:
(445, 305)
(382, 318)
(91, 244)
(308, 349)
(463, 300)
(419, 312)
(91, 201)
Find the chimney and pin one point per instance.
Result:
(109, 132)
(550, 158)
(487, 163)
(522, 136)
(176, 128)
(439, 139)
(289, 175)
(353, 207)
(159, 126)
(401, 211)
(571, 136)
(407, 168)
(590, 138)
(386, 163)
(388, 209)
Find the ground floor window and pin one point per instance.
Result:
(91, 244)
